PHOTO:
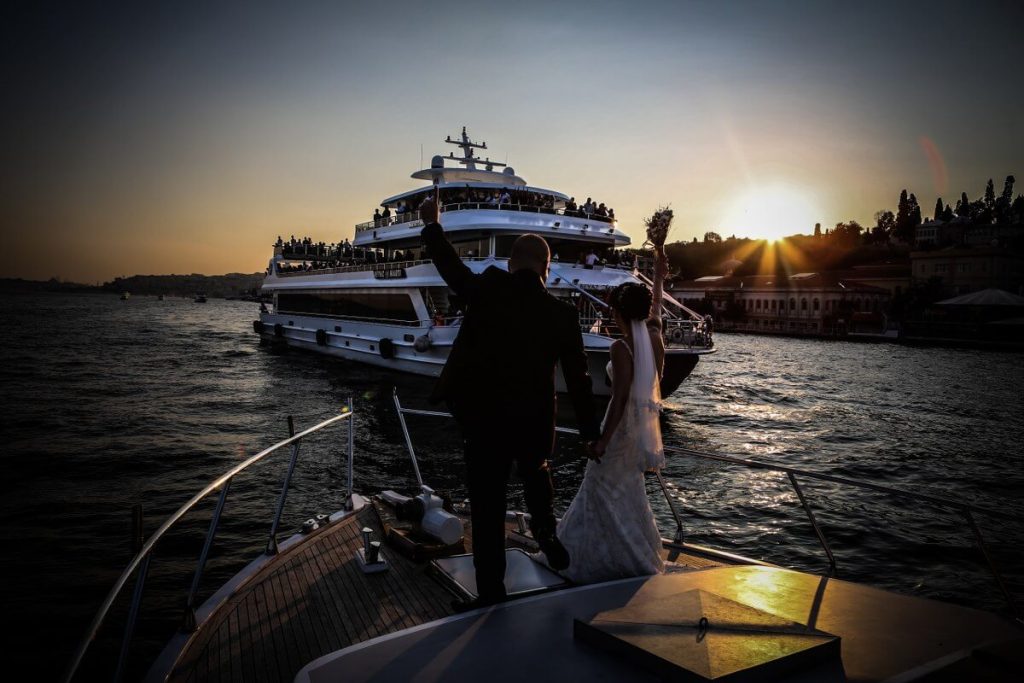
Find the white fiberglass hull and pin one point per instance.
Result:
(361, 342)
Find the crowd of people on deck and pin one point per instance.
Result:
(589, 208)
(322, 255)
(603, 257)
(407, 208)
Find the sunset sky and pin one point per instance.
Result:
(150, 138)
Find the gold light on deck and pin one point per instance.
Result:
(698, 635)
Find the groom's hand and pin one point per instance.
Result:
(595, 449)
(428, 211)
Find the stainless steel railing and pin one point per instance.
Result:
(141, 561)
(968, 511)
(413, 217)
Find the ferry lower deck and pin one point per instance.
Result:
(361, 342)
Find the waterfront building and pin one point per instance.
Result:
(820, 304)
(994, 236)
(961, 270)
(893, 277)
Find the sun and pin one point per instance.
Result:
(770, 213)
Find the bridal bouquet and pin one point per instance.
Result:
(658, 226)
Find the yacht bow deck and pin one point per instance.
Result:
(883, 636)
(313, 600)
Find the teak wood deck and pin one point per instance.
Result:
(313, 600)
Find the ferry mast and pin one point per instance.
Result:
(468, 159)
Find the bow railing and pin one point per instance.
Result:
(966, 510)
(141, 561)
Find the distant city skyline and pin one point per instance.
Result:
(169, 139)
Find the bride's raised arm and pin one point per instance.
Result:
(654, 322)
(657, 293)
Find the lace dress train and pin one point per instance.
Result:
(609, 529)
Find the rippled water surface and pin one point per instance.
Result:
(110, 403)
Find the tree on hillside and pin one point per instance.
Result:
(903, 208)
(817, 229)
(1002, 213)
(939, 209)
(712, 237)
(990, 195)
(963, 207)
(1017, 210)
(915, 213)
(885, 222)
(908, 217)
(847, 233)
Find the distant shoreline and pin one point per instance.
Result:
(915, 341)
(230, 285)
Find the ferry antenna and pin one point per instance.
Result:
(468, 157)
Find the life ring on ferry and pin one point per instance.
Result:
(387, 348)
(423, 343)
(321, 337)
(278, 330)
(257, 326)
(677, 335)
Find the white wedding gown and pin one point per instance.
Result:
(609, 529)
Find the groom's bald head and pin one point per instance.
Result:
(532, 252)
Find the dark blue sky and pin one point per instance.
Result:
(163, 138)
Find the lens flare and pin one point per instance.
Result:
(940, 176)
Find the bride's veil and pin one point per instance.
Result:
(645, 399)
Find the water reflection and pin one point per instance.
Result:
(122, 402)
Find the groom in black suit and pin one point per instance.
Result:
(499, 382)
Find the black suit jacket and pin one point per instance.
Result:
(500, 375)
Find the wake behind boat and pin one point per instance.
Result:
(380, 300)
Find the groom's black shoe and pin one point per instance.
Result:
(554, 551)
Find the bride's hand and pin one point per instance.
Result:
(595, 450)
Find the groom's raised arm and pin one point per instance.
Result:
(577, 378)
(449, 266)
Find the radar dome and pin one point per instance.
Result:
(437, 162)
(509, 171)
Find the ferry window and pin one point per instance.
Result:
(773, 304)
(503, 245)
(792, 304)
(373, 305)
(472, 247)
(803, 304)
(817, 305)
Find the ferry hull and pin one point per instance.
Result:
(364, 346)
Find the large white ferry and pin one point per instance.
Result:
(379, 300)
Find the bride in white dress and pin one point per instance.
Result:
(609, 529)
